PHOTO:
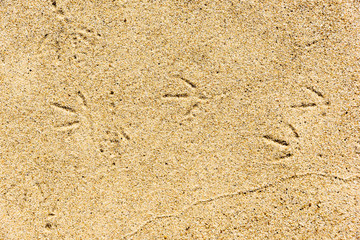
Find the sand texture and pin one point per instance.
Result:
(179, 119)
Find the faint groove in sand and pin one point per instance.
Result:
(228, 195)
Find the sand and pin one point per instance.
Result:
(179, 119)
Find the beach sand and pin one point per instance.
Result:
(179, 119)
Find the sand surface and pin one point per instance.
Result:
(179, 119)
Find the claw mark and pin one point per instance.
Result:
(124, 134)
(195, 96)
(82, 98)
(82, 114)
(191, 108)
(115, 137)
(68, 126)
(41, 191)
(286, 155)
(315, 91)
(303, 105)
(63, 107)
(41, 42)
(320, 94)
(294, 130)
(180, 95)
(279, 141)
(188, 82)
(202, 96)
(311, 43)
